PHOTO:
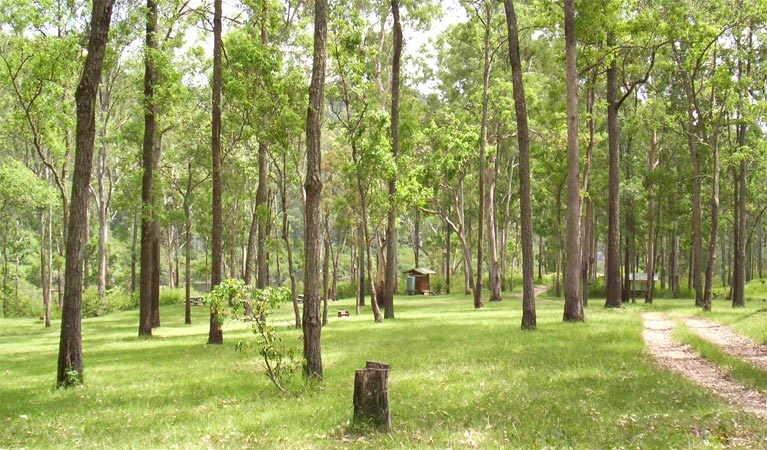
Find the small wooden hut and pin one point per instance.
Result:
(639, 283)
(418, 281)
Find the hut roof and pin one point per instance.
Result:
(420, 271)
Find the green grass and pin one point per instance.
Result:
(460, 378)
(741, 371)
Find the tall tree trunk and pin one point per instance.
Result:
(741, 190)
(188, 252)
(587, 219)
(147, 194)
(448, 267)
(390, 280)
(360, 269)
(494, 279)
(482, 158)
(573, 302)
(325, 274)
(525, 191)
(613, 281)
(417, 237)
(45, 267)
(696, 264)
(312, 325)
(706, 301)
(650, 266)
(262, 213)
(70, 363)
(250, 254)
(134, 245)
(215, 335)
(156, 273)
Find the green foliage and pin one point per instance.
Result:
(227, 299)
(280, 362)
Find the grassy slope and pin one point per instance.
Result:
(460, 378)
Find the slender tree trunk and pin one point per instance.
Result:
(741, 189)
(325, 275)
(417, 237)
(250, 254)
(650, 266)
(133, 258)
(573, 301)
(156, 273)
(448, 251)
(360, 269)
(706, 301)
(587, 219)
(188, 256)
(613, 281)
(525, 191)
(147, 195)
(390, 279)
(215, 335)
(70, 363)
(312, 325)
(45, 268)
(696, 263)
(262, 214)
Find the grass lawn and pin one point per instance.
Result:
(460, 378)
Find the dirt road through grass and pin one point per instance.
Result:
(658, 335)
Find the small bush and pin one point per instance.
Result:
(174, 296)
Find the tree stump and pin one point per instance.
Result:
(371, 396)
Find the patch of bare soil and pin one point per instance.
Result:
(729, 341)
(658, 335)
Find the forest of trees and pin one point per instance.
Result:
(585, 141)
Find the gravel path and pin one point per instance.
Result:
(658, 335)
(729, 341)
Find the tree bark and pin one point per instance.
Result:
(147, 196)
(70, 363)
(613, 281)
(262, 214)
(573, 302)
(525, 191)
(741, 192)
(215, 336)
(312, 325)
(390, 283)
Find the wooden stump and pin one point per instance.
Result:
(371, 396)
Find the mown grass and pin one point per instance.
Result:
(460, 379)
(740, 370)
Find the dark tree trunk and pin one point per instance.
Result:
(325, 275)
(360, 268)
(448, 266)
(573, 301)
(215, 336)
(417, 237)
(70, 362)
(250, 253)
(262, 214)
(312, 325)
(651, 231)
(741, 192)
(525, 191)
(156, 273)
(134, 245)
(188, 253)
(148, 154)
(45, 267)
(390, 279)
(613, 281)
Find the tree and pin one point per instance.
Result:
(312, 324)
(390, 283)
(149, 238)
(525, 191)
(70, 365)
(215, 336)
(573, 300)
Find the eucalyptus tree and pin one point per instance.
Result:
(312, 325)
(525, 194)
(390, 282)
(70, 364)
(573, 301)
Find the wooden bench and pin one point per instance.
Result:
(343, 313)
(197, 301)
